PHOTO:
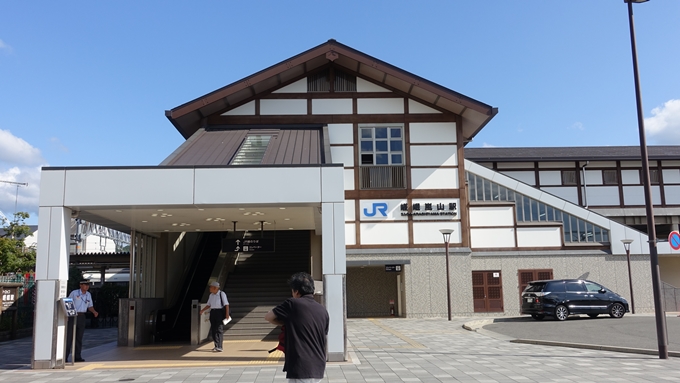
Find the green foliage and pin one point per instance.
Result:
(106, 301)
(14, 256)
(75, 275)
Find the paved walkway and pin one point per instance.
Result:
(402, 350)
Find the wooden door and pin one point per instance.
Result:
(487, 291)
(526, 276)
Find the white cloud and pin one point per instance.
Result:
(576, 126)
(485, 145)
(17, 151)
(5, 47)
(664, 125)
(20, 162)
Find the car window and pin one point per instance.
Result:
(575, 287)
(534, 287)
(555, 287)
(593, 287)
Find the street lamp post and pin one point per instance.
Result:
(447, 237)
(651, 231)
(626, 244)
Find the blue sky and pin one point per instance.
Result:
(86, 83)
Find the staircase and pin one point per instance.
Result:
(260, 282)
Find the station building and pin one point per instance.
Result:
(336, 163)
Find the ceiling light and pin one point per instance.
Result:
(287, 219)
(201, 209)
(119, 211)
(208, 219)
(282, 208)
(174, 224)
(154, 215)
(166, 230)
(290, 228)
(159, 210)
(242, 208)
(145, 221)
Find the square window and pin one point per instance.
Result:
(366, 146)
(395, 132)
(568, 177)
(380, 132)
(381, 146)
(396, 159)
(366, 133)
(381, 159)
(395, 146)
(610, 177)
(367, 159)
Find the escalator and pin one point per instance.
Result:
(173, 324)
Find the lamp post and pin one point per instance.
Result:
(447, 237)
(651, 231)
(626, 244)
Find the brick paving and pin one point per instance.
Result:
(400, 350)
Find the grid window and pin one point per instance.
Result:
(382, 146)
(654, 176)
(610, 177)
(568, 177)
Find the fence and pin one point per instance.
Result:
(671, 297)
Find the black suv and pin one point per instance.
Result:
(563, 297)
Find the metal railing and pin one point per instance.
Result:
(382, 177)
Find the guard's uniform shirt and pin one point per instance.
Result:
(82, 301)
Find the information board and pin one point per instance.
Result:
(248, 245)
(69, 307)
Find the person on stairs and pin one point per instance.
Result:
(218, 304)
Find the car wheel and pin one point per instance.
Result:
(593, 315)
(561, 312)
(617, 311)
(538, 316)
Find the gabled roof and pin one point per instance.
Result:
(574, 153)
(187, 118)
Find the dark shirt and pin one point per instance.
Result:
(306, 324)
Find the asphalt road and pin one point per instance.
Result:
(631, 331)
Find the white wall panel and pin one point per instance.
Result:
(348, 175)
(395, 233)
(630, 176)
(539, 237)
(367, 86)
(547, 177)
(593, 177)
(350, 234)
(272, 185)
(299, 86)
(343, 155)
(327, 240)
(435, 155)
(483, 238)
(555, 165)
(340, 134)
(332, 184)
(52, 187)
(428, 232)
(602, 195)
(46, 291)
(492, 216)
(285, 107)
(339, 238)
(414, 107)
(528, 177)
(635, 195)
(332, 106)
(434, 178)
(380, 106)
(116, 187)
(247, 109)
(334, 298)
(670, 163)
(671, 176)
(515, 165)
(672, 194)
(631, 164)
(569, 193)
(381, 210)
(432, 132)
(602, 164)
(350, 214)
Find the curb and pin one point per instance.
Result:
(477, 326)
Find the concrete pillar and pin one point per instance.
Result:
(51, 275)
(334, 272)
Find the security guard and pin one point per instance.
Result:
(82, 300)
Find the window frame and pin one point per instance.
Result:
(389, 139)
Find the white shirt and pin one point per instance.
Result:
(81, 300)
(215, 302)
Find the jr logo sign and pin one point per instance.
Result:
(376, 207)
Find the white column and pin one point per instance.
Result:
(51, 274)
(334, 270)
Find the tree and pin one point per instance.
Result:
(14, 256)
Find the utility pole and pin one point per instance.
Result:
(16, 198)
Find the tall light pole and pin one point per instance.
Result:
(651, 231)
(626, 244)
(16, 199)
(447, 237)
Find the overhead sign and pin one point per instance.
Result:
(392, 268)
(674, 240)
(248, 245)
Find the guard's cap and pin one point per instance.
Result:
(215, 284)
(85, 282)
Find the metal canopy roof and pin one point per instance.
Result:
(580, 153)
(187, 118)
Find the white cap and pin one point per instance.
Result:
(215, 284)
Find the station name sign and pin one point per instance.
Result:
(437, 209)
(248, 245)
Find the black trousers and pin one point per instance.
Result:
(80, 331)
(216, 328)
